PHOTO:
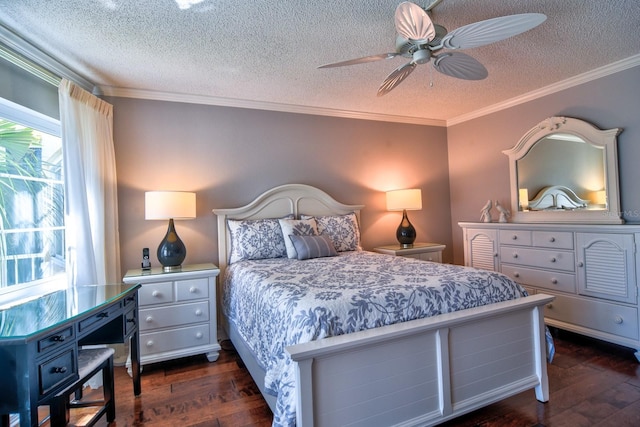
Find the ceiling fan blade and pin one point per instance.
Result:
(365, 59)
(459, 65)
(396, 77)
(491, 30)
(413, 23)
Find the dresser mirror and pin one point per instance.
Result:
(565, 170)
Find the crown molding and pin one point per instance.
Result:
(262, 105)
(615, 67)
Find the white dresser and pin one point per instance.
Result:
(590, 269)
(177, 312)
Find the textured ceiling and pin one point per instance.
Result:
(265, 53)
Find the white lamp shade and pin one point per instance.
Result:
(169, 204)
(410, 199)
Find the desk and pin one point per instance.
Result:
(39, 340)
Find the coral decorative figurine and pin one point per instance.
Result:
(504, 212)
(485, 213)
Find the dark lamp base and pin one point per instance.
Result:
(171, 251)
(405, 233)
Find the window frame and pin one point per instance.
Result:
(43, 123)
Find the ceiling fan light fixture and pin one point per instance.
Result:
(421, 56)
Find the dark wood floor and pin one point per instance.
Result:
(592, 384)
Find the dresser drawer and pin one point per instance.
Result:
(155, 293)
(175, 315)
(553, 280)
(599, 315)
(192, 289)
(58, 370)
(515, 237)
(542, 258)
(553, 239)
(174, 339)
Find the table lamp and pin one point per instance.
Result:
(170, 205)
(404, 200)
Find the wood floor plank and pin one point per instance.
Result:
(591, 383)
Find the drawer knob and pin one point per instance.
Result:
(199, 335)
(580, 264)
(553, 239)
(103, 315)
(149, 319)
(554, 281)
(198, 312)
(132, 320)
(150, 343)
(553, 259)
(549, 306)
(516, 274)
(618, 320)
(155, 293)
(58, 338)
(193, 289)
(59, 369)
(515, 255)
(514, 237)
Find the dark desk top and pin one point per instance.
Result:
(25, 319)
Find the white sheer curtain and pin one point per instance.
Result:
(91, 205)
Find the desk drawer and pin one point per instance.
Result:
(130, 321)
(155, 293)
(553, 280)
(192, 289)
(542, 258)
(175, 315)
(603, 316)
(56, 340)
(56, 371)
(174, 339)
(102, 317)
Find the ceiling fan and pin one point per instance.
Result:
(421, 40)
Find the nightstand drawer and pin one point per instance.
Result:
(174, 315)
(174, 339)
(155, 293)
(192, 289)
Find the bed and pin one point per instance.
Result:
(405, 370)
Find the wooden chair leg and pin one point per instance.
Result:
(108, 383)
(6, 419)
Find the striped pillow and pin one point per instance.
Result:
(308, 247)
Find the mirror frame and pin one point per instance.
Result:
(607, 139)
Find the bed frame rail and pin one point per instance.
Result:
(426, 371)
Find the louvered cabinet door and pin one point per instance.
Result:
(606, 266)
(481, 248)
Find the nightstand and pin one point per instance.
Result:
(421, 251)
(177, 312)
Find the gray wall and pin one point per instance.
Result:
(231, 155)
(609, 102)
(228, 156)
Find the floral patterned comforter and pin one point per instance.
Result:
(278, 302)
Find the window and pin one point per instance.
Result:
(32, 247)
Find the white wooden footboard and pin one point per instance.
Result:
(425, 371)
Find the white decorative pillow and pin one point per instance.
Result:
(256, 239)
(297, 227)
(308, 247)
(343, 230)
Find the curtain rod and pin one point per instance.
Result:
(23, 54)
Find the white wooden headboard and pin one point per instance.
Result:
(277, 202)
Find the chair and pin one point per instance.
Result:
(90, 362)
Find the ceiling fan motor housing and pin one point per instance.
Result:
(421, 56)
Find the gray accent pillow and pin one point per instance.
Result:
(298, 227)
(308, 247)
